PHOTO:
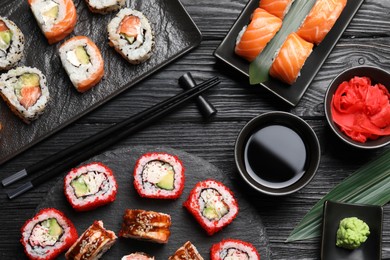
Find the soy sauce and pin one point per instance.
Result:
(275, 156)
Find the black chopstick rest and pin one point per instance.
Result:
(206, 108)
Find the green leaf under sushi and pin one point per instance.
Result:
(368, 185)
(259, 68)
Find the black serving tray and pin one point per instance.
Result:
(175, 34)
(290, 94)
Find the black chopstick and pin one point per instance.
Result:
(78, 152)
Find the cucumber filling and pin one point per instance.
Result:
(212, 204)
(160, 174)
(46, 233)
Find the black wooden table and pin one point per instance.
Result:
(366, 41)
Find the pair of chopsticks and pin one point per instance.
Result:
(85, 149)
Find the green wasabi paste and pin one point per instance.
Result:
(352, 233)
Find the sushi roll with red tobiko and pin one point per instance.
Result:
(159, 176)
(47, 234)
(233, 249)
(90, 186)
(212, 204)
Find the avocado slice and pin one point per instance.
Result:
(80, 187)
(210, 213)
(55, 230)
(82, 55)
(30, 79)
(167, 181)
(5, 37)
(129, 39)
(52, 13)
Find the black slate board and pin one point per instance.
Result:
(247, 226)
(175, 34)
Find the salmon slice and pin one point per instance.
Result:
(29, 96)
(259, 32)
(321, 19)
(130, 25)
(3, 26)
(278, 8)
(291, 58)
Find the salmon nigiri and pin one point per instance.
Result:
(253, 38)
(278, 8)
(56, 19)
(321, 19)
(290, 59)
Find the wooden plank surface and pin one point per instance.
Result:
(366, 41)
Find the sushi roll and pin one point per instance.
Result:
(138, 256)
(253, 38)
(25, 91)
(159, 176)
(104, 6)
(90, 186)
(146, 225)
(233, 249)
(56, 18)
(82, 61)
(321, 19)
(11, 44)
(278, 8)
(92, 244)
(47, 234)
(129, 32)
(212, 204)
(187, 251)
(290, 59)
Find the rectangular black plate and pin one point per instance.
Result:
(175, 34)
(291, 94)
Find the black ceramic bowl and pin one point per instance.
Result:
(278, 153)
(377, 76)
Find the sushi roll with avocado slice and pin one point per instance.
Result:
(105, 6)
(82, 61)
(11, 44)
(90, 186)
(159, 176)
(47, 234)
(129, 32)
(212, 204)
(233, 249)
(25, 91)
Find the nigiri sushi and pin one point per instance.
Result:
(253, 38)
(290, 59)
(321, 19)
(278, 8)
(56, 18)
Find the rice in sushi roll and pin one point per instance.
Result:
(233, 249)
(82, 61)
(105, 6)
(56, 18)
(25, 91)
(11, 44)
(138, 256)
(159, 176)
(47, 234)
(90, 186)
(129, 32)
(212, 204)
(187, 251)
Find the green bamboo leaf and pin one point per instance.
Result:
(259, 68)
(368, 185)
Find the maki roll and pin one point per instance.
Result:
(83, 62)
(212, 204)
(92, 244)
(137, 256)
(187, 251)
(25, 91)
(159, 175)
(129, 32)
(146, 225)
(90, 186)
(47, 234)
(11, 44)
(105, 6)
(56, 18)
(234, 249)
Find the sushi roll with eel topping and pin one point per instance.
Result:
(47, 234)
(129, 32)
(92, 244)
(137, 256)
(24, 90)
(105, 6)
(11, 44)
(212, 204)
(83, 62)
(159, 175)
(90, 186)
(187, 251)
(233, 249)
(56, 18)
